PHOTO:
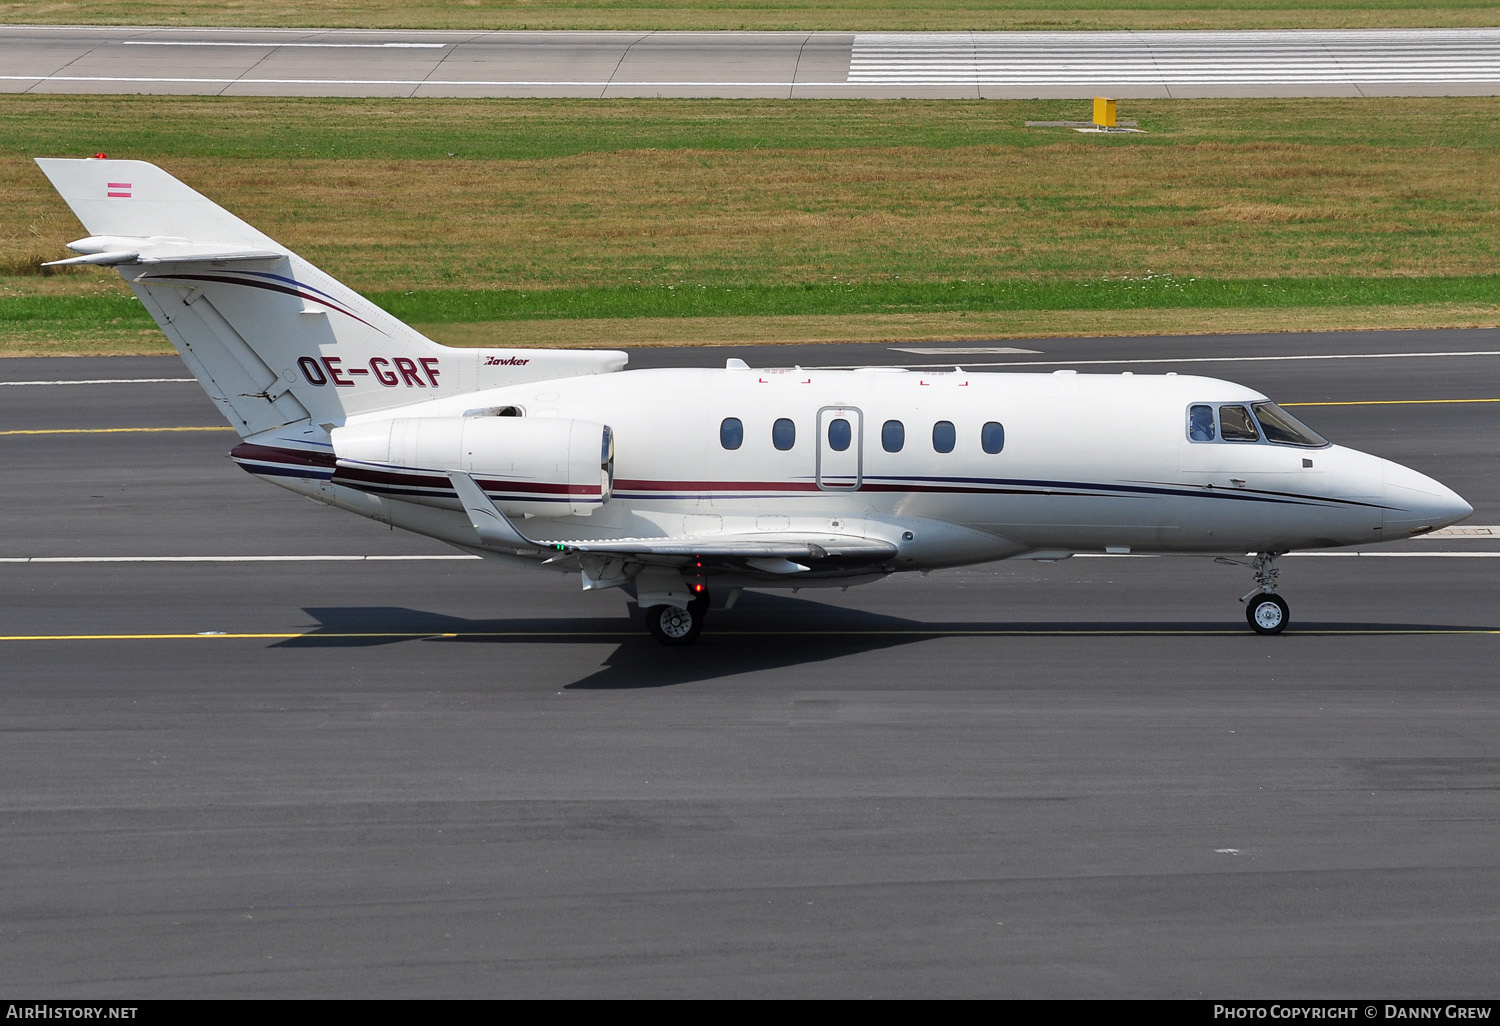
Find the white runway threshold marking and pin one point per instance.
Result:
(1177, 58)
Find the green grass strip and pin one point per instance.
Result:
(1164, 292)
(266, 129)
(1151, 292)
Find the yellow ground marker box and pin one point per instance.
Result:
(1104, 112)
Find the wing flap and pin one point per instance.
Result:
(495, 528)
(745, 546)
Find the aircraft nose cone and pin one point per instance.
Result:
(1416, 504)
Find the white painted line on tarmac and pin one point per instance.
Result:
(1288, 555)
(102, 381)
(273, 45)
(963, 350)
(1405, 555)
(539, 83)
(229, 559)
(446, 558)
(1187, 359)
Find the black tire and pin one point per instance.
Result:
(1267, 613)
(672, 626)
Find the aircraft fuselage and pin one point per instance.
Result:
(1080, 463)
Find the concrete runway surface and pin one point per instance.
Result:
(324, 62)
(381, 777)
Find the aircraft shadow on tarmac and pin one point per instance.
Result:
(762, 633)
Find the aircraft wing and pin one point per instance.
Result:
(768, 552)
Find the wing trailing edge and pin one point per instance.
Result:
(496, 529)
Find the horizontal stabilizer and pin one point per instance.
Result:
(118, 250)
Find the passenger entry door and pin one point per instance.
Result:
(840, 455)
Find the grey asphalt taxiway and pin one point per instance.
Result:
(256, 747)
(324, 62)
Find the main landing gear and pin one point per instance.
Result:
(1266, 611)
(672, 626)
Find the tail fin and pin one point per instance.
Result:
(272, 339)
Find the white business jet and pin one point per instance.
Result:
(663, 482)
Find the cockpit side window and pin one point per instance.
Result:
(1282, 428)
(1201, 423)
(1236, 424)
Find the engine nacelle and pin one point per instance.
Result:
(538, 466)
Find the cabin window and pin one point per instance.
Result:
(944, 437)
(1281, 427)
(731, 433)
(783, 434)
(1236, 424)
(893, 436)
(1201, 423)
(992, 437)
(839, 434)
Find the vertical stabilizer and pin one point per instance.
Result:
(273, 340)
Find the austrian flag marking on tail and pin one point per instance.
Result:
(118, 190)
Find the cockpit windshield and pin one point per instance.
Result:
(1281, 427)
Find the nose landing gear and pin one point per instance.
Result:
(1266, 611)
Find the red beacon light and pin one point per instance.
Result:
(101, 156)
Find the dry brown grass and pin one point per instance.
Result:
(1220, 189)
(718, 331)
(789, 216)
(108, 340)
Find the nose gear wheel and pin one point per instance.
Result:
(1267, 613)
